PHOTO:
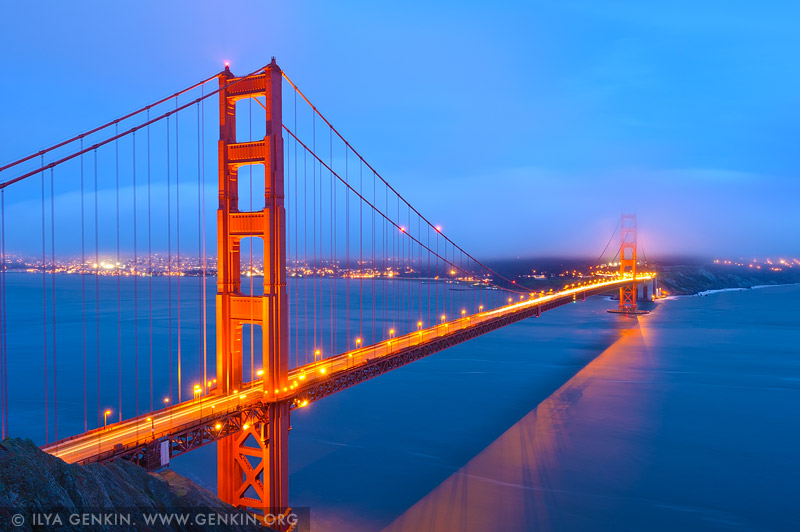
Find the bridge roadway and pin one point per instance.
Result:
(194, 423)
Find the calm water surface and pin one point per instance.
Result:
(684, 419)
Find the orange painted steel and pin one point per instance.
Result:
(260, 488)
(627, 263)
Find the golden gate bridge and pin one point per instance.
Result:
(326, 276)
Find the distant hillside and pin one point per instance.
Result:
(34, 482)
(685, 280)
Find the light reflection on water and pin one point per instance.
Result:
(518, 480)
(687, 422)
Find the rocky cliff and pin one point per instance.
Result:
(35, 487)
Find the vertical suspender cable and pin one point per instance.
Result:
(305, 250)
(476, 286)
(319, 246)
(296, 254)
(429, 275)
(3, 345)
(361, 253)
(169, 266)
(374, 267)
(149, 265)
(397, 256)
(5, 314)
(460, 292)
(385, 264)
(375, 270)
(409, 286)
(135, 273)
(454, 297)
(83, 301)
(53, 296)
(286, 177)
(178, 238)
(405, 247)
(314, 214)
(202, 278)
(436, 314)
(203, 188)
(402, 285)
(119, 285)
(400, 306)
(333, 248)
(97, 284)
(348, 337)
(395, 270)
(331, 264)
(44, 319)
(449, 299)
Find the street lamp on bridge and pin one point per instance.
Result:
(166, 405)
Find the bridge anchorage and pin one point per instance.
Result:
(438, 294)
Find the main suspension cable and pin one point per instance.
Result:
(389, 220)
(316, 111)
(127, 132)
(613, 234)
(114, 122)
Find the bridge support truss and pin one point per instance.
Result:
(252, 468)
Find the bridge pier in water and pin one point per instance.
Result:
(261, 488)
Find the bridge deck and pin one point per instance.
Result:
(199, 421)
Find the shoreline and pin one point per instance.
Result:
(732, 289)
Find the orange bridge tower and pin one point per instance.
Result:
(627, 262)
(252, 468)
(627, 266)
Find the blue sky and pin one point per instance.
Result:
(524, 128)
